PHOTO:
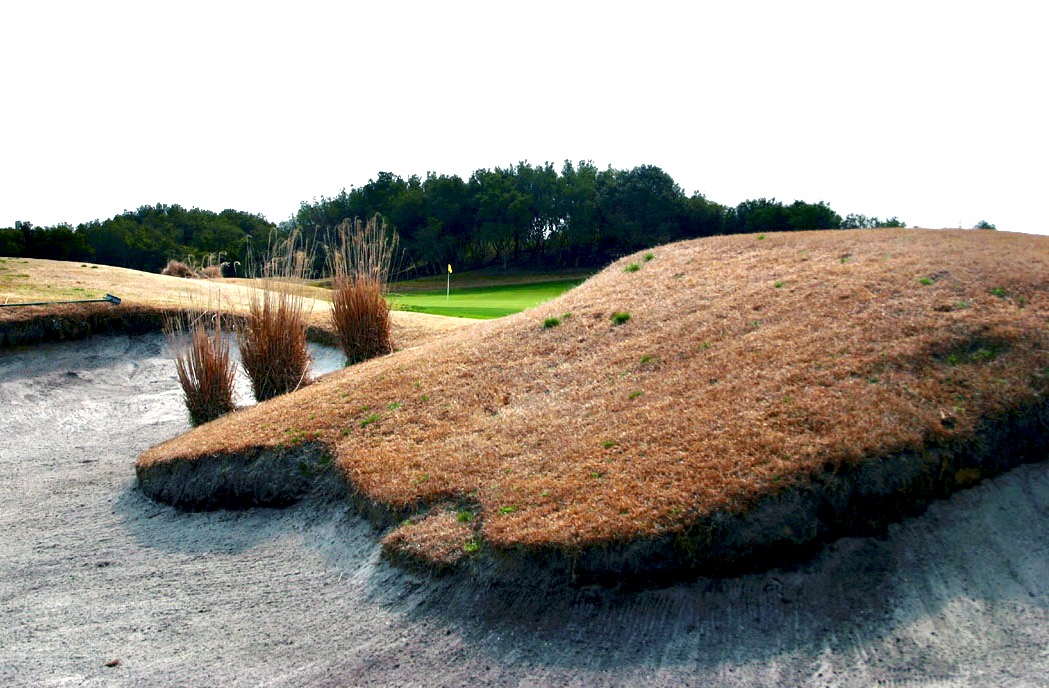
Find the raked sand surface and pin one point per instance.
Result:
(99, 586)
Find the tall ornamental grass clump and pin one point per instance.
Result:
(272, 340)
(360, 264)
(202, 363)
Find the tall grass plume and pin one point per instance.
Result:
(360, 263)
(202, 363)
(272, 340)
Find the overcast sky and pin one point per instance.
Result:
(935, 112)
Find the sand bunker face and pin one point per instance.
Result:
(91, 572)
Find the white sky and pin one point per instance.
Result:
(932, 111)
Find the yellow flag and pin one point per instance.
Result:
(449, 268)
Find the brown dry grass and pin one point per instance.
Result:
(29, 280)
(748, 366)
(203, 365)
(361, 316)
(273, 341)
(360, 265)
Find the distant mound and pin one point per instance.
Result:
(146, 300)
(704, 403)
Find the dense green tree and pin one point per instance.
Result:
(854, 221)
(581, 219)
(639, 207)
(448, 233)
(758, 215)
(12, 243)
(812, 216)
(504, 215)
(146, 238)
(703, 217)
(60, 242)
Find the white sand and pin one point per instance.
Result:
(91, 573)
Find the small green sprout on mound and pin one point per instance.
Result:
(985, 355)
(551, 322)
(620, 318)
(633, 267)
(649, 256)
(926, 281)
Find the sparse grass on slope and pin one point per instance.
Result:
(828, 370)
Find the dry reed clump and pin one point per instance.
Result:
(749, 369)
(202, 363)
(176, 268)
(361, 316)
(360, 264)
(272, 339)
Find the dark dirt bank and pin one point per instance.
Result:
(101, 586)
(29, 325)
(783, 530)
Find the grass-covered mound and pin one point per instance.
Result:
(689, 406)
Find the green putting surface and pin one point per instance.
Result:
(481, 302)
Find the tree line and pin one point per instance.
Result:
(146, 239)
(525, 216)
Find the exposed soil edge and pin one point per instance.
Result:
(264, 477)
(780, 530)
(36, 325)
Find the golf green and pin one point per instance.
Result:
(481, 302)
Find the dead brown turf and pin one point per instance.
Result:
(750, 366)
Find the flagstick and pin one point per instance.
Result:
(448, 287)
